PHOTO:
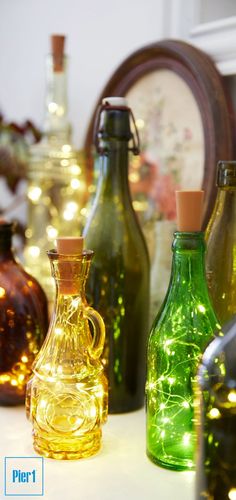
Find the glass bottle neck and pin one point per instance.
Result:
(226, 199)
(224, 209)
(113, 178)
(188, 265)
(70, 274)
(56, 122)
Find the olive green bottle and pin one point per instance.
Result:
(118, 285)
(221, 244)
(216, 419)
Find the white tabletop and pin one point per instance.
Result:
(120, 471)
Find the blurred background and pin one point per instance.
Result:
(100, 35)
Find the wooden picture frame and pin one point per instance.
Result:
(177, 60)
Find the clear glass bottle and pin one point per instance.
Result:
(221, 244)
(216, 419)
(56, 185)
(184, 325)
(118, 285)
(23, 322)
(67, 394)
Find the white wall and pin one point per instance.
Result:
(101, 33)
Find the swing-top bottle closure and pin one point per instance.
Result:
(226, 174)
(105, 127)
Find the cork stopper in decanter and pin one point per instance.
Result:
(57, 47)
(68, 249)
(189, 206)
(70, 245)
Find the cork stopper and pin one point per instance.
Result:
(57, 46)
(189, 206)
(70, 245)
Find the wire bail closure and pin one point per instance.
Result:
(134, 148)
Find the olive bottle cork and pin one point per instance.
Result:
(189, 206)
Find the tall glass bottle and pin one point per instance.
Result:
(67, 394)
(23, 322)
(216, 419)
(118, 284)
(184, 325)
(56, 184)
(221, 244)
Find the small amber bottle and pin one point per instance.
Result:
(23, 322)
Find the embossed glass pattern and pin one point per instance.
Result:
(67, 394)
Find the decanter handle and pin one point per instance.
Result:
(96, 348)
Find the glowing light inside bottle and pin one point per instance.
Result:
(186, 438)
(66, 148)
(201, 308)
(232, 494)
(232, 397)
(2, 292)
(58, 331)
(52, 232)
(214, 413)
(34, 193)
(52, 107)
(70, 210)
(64, 163)
(34, 251)
(75, 169)
(75, 183)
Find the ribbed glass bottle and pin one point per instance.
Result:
(118, 284)
(216, 419)
(221, 244)
(184, 325)
(56, 185)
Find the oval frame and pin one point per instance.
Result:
(200, 74)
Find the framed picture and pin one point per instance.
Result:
(184, 119)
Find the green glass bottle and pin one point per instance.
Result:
(184, 325)
(221, 244)
(118, 284)
(216, 419)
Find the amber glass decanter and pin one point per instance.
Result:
(221, 244)
(23, 322)
(56, 184)
(184, 325)
(67, 394)
(118, 284)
